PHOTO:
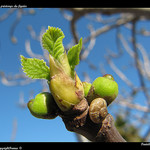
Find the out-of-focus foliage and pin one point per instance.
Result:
(128, 131)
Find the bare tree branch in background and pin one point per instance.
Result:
(14, 130)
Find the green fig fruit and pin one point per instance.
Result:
(43, 106)
(104, 87)
(66, 89)
(86, 87)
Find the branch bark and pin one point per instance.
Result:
(78, 120)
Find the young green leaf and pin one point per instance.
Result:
(52, 41)
(73, 55)
(35, 68)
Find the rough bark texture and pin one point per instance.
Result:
(79, 121)
(108, 131)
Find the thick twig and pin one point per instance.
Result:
(80, 122)
(108, 132)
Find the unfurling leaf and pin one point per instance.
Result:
(73, 54)
(35, 68)
(52, 41)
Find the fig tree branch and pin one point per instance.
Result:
(82, 124)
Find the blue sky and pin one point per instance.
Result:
(30, 129)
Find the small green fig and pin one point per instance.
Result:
(43, 106)
(86, 87)
(103, 87)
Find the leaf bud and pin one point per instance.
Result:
(66, 90)
(98, 110)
